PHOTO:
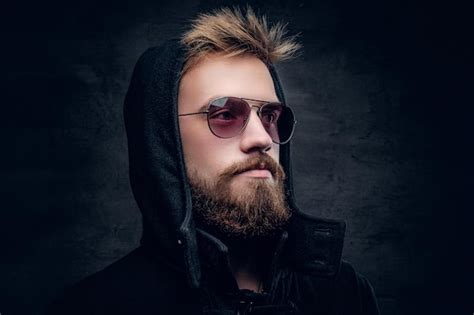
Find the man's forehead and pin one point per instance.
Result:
(219, 76)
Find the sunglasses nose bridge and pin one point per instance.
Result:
(254, 132)
(250, 113)
(257, 111)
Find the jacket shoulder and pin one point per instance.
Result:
(349, 293)
(355, 291)
(128, 286)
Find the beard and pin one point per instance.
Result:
(257, 209)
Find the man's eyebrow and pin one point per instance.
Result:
(205, 107)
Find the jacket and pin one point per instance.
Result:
(181, 269)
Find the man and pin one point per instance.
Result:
(209, 132)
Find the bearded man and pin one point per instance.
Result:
(209, 133)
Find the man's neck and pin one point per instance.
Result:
(250, 261)
(246, 273)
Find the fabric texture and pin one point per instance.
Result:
(180, 269)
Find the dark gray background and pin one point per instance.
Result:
(383, 140)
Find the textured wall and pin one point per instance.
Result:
(380, 142)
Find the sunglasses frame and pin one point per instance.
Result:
(259, 110)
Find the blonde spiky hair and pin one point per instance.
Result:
(235, 33)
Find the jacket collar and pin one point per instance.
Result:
(310, 245)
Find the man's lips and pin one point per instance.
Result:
(258, 173)
(258, 169)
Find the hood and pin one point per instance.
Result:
(159, 182)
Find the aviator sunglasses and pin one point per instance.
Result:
(228, 116)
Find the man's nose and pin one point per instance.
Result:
(255, 137)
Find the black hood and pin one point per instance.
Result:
(160, 185)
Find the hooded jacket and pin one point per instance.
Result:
(181, 269)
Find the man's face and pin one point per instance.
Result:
(214, 165)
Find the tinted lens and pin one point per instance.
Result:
(227, 116)
(278, 121)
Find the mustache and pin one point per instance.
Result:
(258, 162)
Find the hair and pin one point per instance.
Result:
(235, 33)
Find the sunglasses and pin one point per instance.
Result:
(228, 116)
